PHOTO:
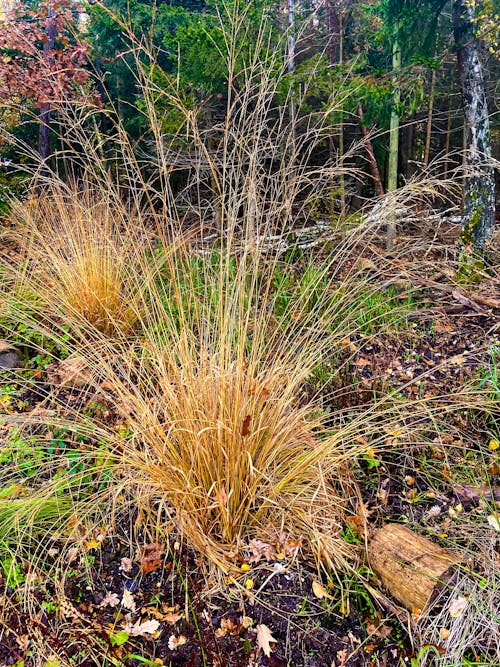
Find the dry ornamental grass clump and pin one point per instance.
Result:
(80, 263)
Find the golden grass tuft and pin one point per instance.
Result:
(237, 457)
(79, 249)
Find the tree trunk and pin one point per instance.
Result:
(478, 211)
(336, 17)
(44, 147)
(291, 36)
(332, 31)
(428, 133)
(379, 188)
(447, 141)
(408, 151)
(392, 175)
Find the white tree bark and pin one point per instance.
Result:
(478, 213)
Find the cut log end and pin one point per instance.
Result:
(412, 568)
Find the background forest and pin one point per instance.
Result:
(392, 65)
(249, 315)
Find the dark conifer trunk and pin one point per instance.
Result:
(478, 213)
(44, 146)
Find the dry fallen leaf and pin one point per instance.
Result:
(170, 615)
(291, 546)
(265, 639)
(341, 658)
(110, 600)
(444, 633)
(126, 564)
(128, 600)
(174, 642)
(72, 555)
(74, 373)
(259, 549)
(494, 522)
(227, 627)
(378, 629)
(320, 591)
(245, 427)
(151, 558)
(141, 629)
(457, 607)
(23, 641)
(435, 510)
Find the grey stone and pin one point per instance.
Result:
(10, 359)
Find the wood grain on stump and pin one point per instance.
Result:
(409, 566)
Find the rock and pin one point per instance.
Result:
(365, 265)
(10, 358)
(400, 286)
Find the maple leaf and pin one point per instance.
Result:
(265, 639)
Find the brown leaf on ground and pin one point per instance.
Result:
(259, 549)
(228, 627)
(379, 630)
(151, 558)
(128, 601)
(110, 600)
(125, 564)
(170, 615)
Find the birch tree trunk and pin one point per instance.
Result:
(478, 211)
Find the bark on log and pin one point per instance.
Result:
(410, 567)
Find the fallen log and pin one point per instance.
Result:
(411, 568)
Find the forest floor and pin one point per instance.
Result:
(159, 605)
